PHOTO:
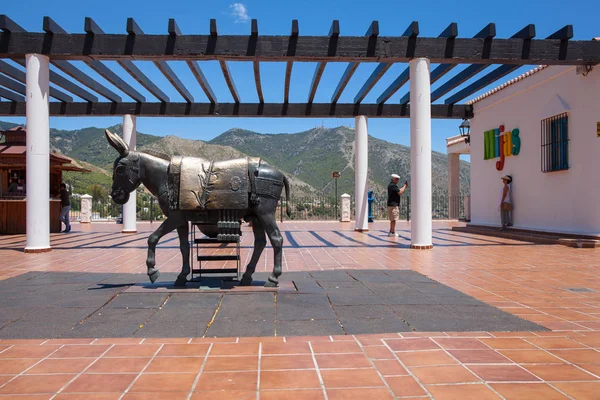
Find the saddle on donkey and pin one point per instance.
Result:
(197, 185)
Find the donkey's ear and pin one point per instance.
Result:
(116, 142)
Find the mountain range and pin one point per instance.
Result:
(308, 158)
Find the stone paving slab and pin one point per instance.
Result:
(86, 305)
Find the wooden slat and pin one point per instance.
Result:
(12, 85)
(133, 29)
(334, 33)
(296, 110)
(66, 84)
(174, 80)
(256, 66)
(348, 72)
(290, 64)
(371, 35)
(288, 76)
(229, 81)
(255, 63)
(202, 81)
(143, 80)
(21, 77)
(92, 29)
(564, 34)
(7, 94)
(84, 79)
(8, 25)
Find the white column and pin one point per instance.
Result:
(38, 154)
(361, 167)
(129, 131)
(453, 185)
(420, 154)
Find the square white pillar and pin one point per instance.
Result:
(37, 182)
(129, 208)
(420, 154)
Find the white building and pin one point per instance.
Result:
(550, 116)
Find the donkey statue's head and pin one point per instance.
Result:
(126, 169)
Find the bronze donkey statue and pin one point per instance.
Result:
(194, 189)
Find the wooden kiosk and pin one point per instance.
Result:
(13, 153)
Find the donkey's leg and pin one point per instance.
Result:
(184, 246)
(167, 226)
(269, 222)
(260, 241)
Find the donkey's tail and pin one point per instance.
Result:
(288, 209)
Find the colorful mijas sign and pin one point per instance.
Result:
(498, 143)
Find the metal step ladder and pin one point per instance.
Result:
(229, 233)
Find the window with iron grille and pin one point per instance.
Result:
(555, 143)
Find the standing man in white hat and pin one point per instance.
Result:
(394, 193)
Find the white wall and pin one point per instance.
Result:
(564, 201)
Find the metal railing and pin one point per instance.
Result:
(307, 208)
(326, 208)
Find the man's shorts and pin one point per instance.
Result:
(393, 213)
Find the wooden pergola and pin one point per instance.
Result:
(38, 50)
(94, 47)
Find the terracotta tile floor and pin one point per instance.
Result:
(521, 278)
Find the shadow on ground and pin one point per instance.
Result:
(67, 305)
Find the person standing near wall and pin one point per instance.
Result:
(393, 202)
(506, 204)
(65, 207)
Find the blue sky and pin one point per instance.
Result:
(274, 18)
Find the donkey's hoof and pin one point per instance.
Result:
(181, 282)
(154, 275)
(246, 281)
(271, 284)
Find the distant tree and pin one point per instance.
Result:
(99, 193)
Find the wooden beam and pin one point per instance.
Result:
(255, 63)
(259, 92)
(294, 110)
(20, 76)
(375, 76)
(8, 25)
(450, 33)
(143, 80)
(320, 68)
(174, 80)
(334, 33)
(51, 28)
(229, 81)
(525, 35)
(134, 29)
(308, 48)
(84, 79)
(202, 81)
(13, 85)
(563, 34)
(486, 33)
(411, 32)
(92, 29)
(481, 83)
(13, 97)
(290, 64)
(371, 34)
(66, 84)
